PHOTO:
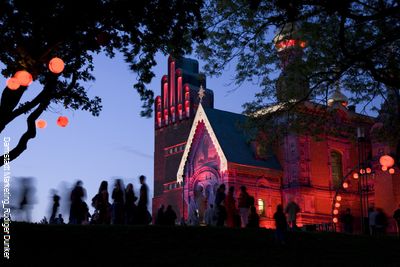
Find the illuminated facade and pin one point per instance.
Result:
(198, 147)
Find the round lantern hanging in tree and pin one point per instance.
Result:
(41, 124)
(56, 65)
(12, 83)
(62, 121)
(24, 78)
(386, 161)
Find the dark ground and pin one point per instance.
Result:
(91, 245)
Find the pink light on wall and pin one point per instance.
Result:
(158, 111)
(166, 116)
(172, 84)
(179, 85)
(172, 109)
(187, 101)
(164, 87)
(180, 111)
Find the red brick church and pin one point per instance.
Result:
(198, 147)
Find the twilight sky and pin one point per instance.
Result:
(117, 144)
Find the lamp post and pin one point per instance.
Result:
(363, 187)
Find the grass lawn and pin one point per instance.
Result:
(98, 245)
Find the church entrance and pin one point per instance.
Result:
(202, 193)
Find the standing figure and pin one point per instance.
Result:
(254, 218)
(230, 205)
(219, 204)
(118, 203)
(78, 210)
(372, 220)
(101, 204)
(280, 224)
(381, 222)
(292, 209)
(130, 206)
(396, 217)
(243, 205)
(160, 216)
(347, 220)
(210, 216)
(56, 204)
(144, 216)
(170, 216)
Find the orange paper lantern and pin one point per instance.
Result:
(362, 171)
(345, 185)
(13, 83)
(336, 211)
(337, 205)
(355, 175)
(62, 121)
(335, 220)
(24, 78)
(386, 160)
(368, 170)
(384, 168)
(41, 124)
(391, 171)
(56, 65)
(338, 198)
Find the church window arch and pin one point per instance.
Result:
(336, 168)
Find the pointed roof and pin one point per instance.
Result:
(230, 140)
(234, 140)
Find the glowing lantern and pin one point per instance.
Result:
(41, 124)
(13, 83)
(335, 220)
(62, 121)
(345, 185)
(387, 161)
(302, 44)
(391, 171)
(337, 205)
(384, 168)
(368, 170)
(338, 198)
(355, 175)
(24, 78)
(56, 65)
(336, 211)
(362, 171)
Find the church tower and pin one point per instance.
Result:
(174, 114)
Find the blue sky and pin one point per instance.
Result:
(117, 144)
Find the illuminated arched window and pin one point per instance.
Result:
(261, 207)
(337, 168)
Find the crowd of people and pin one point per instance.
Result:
(226, 210)
(125, 208)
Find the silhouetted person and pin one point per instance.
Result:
(101, 204)
(79, 209)
(59, 219)
(118, 204)
(160, 220)
(244, 205)
(372, 212)
(347, 220)
(292, 209)
(170, 216)
(230, 205)
(143, 214)
(56, 204)
(254, 218)
(280, 224)
(210, 216)
(219, 204)
(396, 217)
(130, 206)
(25, 202)
(381, 222)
